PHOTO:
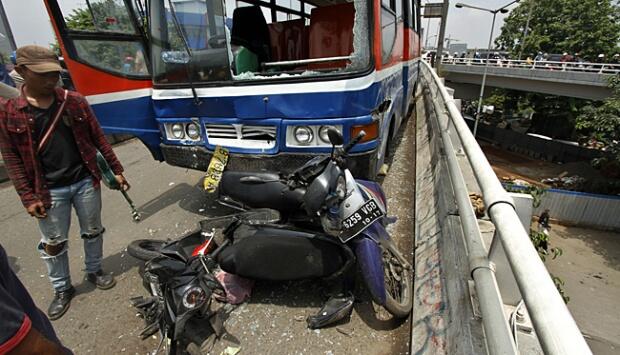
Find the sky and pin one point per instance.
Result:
(30, 24)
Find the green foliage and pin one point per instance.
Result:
(588, 27)
(541, 243)
(602, 123)
(535, 191)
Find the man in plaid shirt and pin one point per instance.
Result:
(53, 176)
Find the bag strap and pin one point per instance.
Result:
(53, 124)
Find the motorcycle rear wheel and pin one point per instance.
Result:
(398, 275)
(145, 249)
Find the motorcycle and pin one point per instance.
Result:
(345, 214)
(314, 223)
(179, 278)
(180, 287)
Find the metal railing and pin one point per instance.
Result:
(555, 327)
(583, 67)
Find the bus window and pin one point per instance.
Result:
(388, 33)
(119, 57)
(98, 16)
(103, 34)
(259, 39)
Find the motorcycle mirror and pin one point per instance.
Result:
(335, 137)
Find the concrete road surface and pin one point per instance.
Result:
(590, 268)
(171, 201)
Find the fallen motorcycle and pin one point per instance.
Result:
(180, 287)
(315, 223)
(329, 211)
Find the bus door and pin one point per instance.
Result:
(104, 46)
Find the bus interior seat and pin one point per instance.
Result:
(331, 34)
(289, 40)
(250, 31)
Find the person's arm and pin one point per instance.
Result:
(17, 335)
(35, 343)
(102, 143)
(15, 166)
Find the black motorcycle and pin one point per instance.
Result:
(180, 287)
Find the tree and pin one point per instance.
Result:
(588, 27)
(602, 123)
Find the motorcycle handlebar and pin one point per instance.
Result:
(354, 141)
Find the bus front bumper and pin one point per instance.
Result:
(198, 158)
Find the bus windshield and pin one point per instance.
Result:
(199, 41)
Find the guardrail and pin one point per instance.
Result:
(555, 327)
(597, 68)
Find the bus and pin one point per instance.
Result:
(264, 79)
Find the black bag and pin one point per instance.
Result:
(279, 253)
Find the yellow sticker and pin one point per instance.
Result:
(216, 168)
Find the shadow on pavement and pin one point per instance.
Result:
(117, 264)
(190, 198)
(605, 244)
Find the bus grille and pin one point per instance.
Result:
(241, 135)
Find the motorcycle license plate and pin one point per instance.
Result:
(216, 168)
(360, 220)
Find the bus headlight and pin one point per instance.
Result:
(193, 131)
(323, 134)
(177, 131)
(303, 135)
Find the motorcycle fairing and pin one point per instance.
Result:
(370, 259)
(272, 193)
(278, 253)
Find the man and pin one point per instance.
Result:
(24, 328)
(53, 176)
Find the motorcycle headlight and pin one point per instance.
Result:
(323, 134)
(177, 131)
(193, 131)
(194, 297)
(341, 187)
(303, 135)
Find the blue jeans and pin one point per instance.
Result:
(55, 230)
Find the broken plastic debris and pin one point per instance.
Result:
(230, 351)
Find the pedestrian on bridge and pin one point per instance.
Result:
(49, 138)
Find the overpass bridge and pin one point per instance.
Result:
(580, 80)
(480, 286)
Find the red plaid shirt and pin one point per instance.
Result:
(19, 147)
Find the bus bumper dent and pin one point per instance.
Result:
(198, 158)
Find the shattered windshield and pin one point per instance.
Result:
(209, 40)
(189, 41)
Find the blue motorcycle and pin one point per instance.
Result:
(325, 222)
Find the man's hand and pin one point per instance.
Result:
(37, 209)
(122, 182)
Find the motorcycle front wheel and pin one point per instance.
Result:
(145, 249)
(398, 276)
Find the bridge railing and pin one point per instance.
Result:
(555, 327)
(597, 68)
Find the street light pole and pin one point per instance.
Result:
(527, 25)
(486, 66)
(484, 76)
